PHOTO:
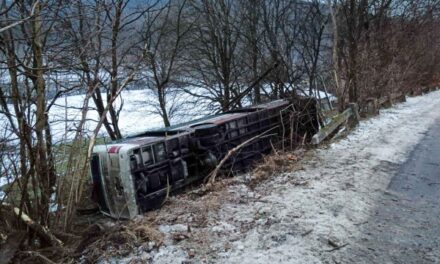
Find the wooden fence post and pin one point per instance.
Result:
(401, 98)
(354, 118)
(371, 107)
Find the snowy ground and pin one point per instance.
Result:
(309, 215)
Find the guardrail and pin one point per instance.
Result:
(372, 105)
(351, 115)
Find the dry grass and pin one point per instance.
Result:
(274, 164)
(195, 205)
(202, 201)
(100, 242)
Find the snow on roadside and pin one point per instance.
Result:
(290, 218)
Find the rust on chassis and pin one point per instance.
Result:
(133, 175)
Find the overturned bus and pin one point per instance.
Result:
(133, 175)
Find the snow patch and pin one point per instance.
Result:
(173, 228)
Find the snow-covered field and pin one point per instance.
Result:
(291, 217)
(139, 112)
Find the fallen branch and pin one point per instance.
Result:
(34, 254)
(274, 149)
(42, 231)
(335, 245)
(168, 192)
(307, 232)
(337, 248)
(231, 152)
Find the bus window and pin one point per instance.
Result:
(147, 155)
(233, 132)
(242, 125)
(159, 152)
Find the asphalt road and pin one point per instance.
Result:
(405, 227)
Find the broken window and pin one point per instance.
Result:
(242, 125)
(147, 155)
(159, 152)
(232, 126)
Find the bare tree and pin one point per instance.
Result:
(214, 53)
(251, 30)
(164, 37)
(311, 38)
(107, 52)
(386, 36)
(25, 105)
(103, 64)
(281, 21)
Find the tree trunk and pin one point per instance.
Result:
(97, 99)
(335, 57)
(254, 47)
(162, 105)
(45, 173)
